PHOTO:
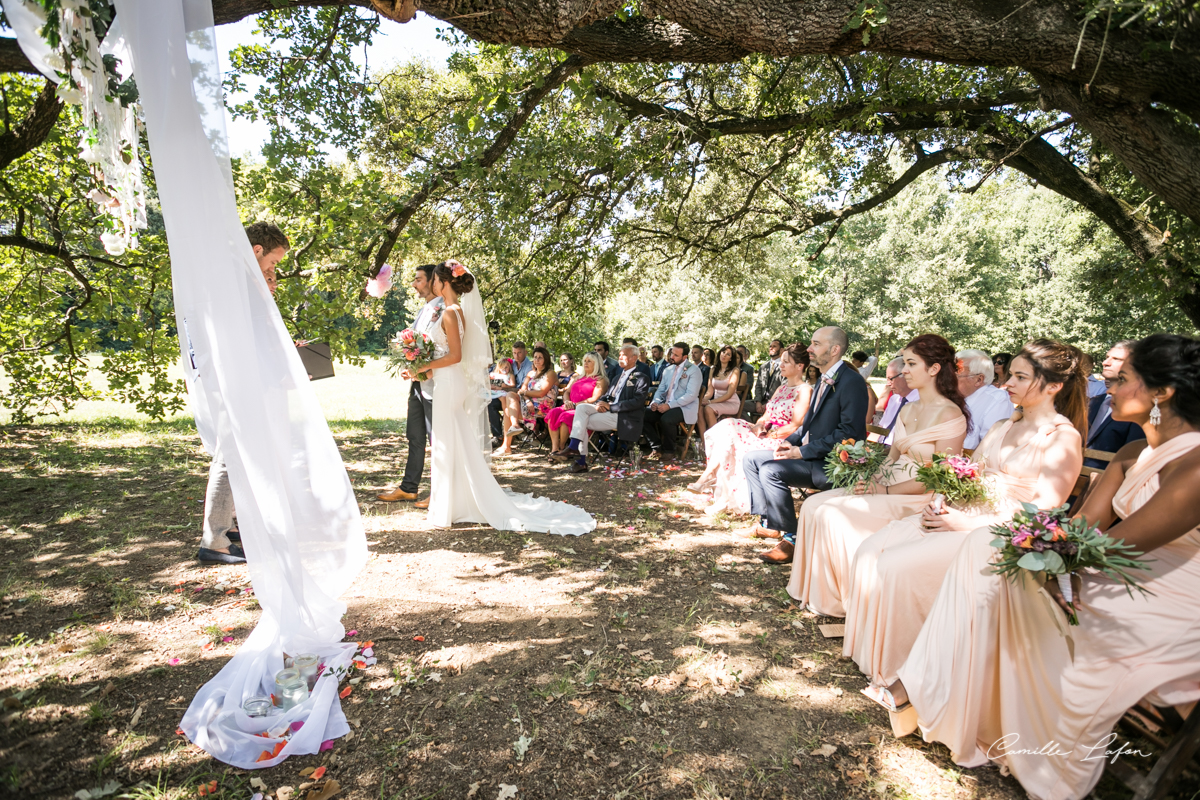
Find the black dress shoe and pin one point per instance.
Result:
(235, 556)
(577, 468)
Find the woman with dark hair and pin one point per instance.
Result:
(726, 442)
(1001, 361)
(721, 395)
(997, 658)
(462, 487)
(833, 524)
(535, 396)
(1034, 457)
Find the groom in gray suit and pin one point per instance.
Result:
(420, 403)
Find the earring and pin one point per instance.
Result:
(1155, 414)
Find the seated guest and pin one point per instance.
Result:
(657, 363)
(769, 377)
(610, 364)
(834, 524)
(586, 388)
(542, 345)
(837, 412)
(889, 376)
(534, 398)
(988, 404)
(729, 440)
(622, 408)
(706, 365)
(863, 363)
(644, 357)
(1031, 457)
(1096, 385)
(566, 368)
(520, 369)
(502, 379)
(996, 658)
(1000, 361)
(677, 400)
(1104, 432)
(747, 368)
(720, 399)
(902, 395)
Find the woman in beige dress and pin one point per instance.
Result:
(833, 524)
(997, 674)
(1031, 458)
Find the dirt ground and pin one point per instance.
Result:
(653, 658)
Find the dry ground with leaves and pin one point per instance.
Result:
(653, 658)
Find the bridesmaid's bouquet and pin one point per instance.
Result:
(410, 351)
(1052, 543)
(852, 462)
(958, 479)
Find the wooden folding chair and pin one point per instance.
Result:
(688, 432)
(1165, 727)
(876, 433)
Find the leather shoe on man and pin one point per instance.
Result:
(780, 554)
(577, 468)
(565, 455)
(759, 532)
(422, 503)
(397, 495)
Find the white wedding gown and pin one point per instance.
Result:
(462, 487)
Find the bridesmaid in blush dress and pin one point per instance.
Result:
(833, 524)
(726, 442)
(1031, 458)
(585, 388)
(997, 674)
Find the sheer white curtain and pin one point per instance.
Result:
(297, 513)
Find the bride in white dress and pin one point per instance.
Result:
(462, 487)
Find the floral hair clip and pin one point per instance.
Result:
(457, 269)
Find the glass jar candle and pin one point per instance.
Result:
(290, 689)
(308, 664)
(257, 706)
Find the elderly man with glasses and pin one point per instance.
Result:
(988, 404)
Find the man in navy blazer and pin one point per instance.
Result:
(838, 411)
(1105, 433)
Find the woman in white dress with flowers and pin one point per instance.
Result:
(462, 487)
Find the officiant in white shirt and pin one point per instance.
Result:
(988, 404)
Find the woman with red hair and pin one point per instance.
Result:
(833, 524)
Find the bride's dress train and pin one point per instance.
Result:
(462, 487)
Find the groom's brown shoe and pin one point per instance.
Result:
(397, 495)
(780, 554)
(422, 503)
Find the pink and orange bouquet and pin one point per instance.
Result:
(1056, 545)
(410, 351)
(957, 478)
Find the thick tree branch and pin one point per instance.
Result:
(33, 129)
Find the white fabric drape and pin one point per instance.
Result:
(297, 513)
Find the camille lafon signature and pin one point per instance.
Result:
(1007, 745)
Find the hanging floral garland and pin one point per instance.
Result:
(89, 79)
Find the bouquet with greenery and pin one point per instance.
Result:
(851, 462)
(410, 351)
(958, 479)
(1050, 542)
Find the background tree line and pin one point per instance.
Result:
(740, 201)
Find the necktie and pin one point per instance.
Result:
(899, 408)
(674, 378)
(1101, 416)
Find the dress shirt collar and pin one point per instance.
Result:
(833, 369)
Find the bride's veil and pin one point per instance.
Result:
(476, 358)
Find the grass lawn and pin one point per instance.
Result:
(654, 658)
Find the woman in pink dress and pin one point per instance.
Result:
(585, 388)
(997, 674)
(833, 524)
(726, 442)
(1032, 458)
(721, 395)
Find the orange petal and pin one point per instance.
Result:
(367, 644)
(418, 638)
(212, 786)
(278, 748)
(265, 755)
(344, 693)
(202, 791)
(360, 664)
(318, 773)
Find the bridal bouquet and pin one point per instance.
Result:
(1050, 542)
(958, 479)
(850, 462)
(410, 351)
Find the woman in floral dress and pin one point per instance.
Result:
(729, 440)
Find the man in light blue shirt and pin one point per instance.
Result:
(677, 400)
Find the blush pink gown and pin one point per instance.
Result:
(730, 439)
(897, 571)
(581, 390)
(997, 659)
(833, 524)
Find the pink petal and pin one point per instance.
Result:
(325, 745)
(226, 638)
(352, 633)
(297, 725)
(173, 661)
